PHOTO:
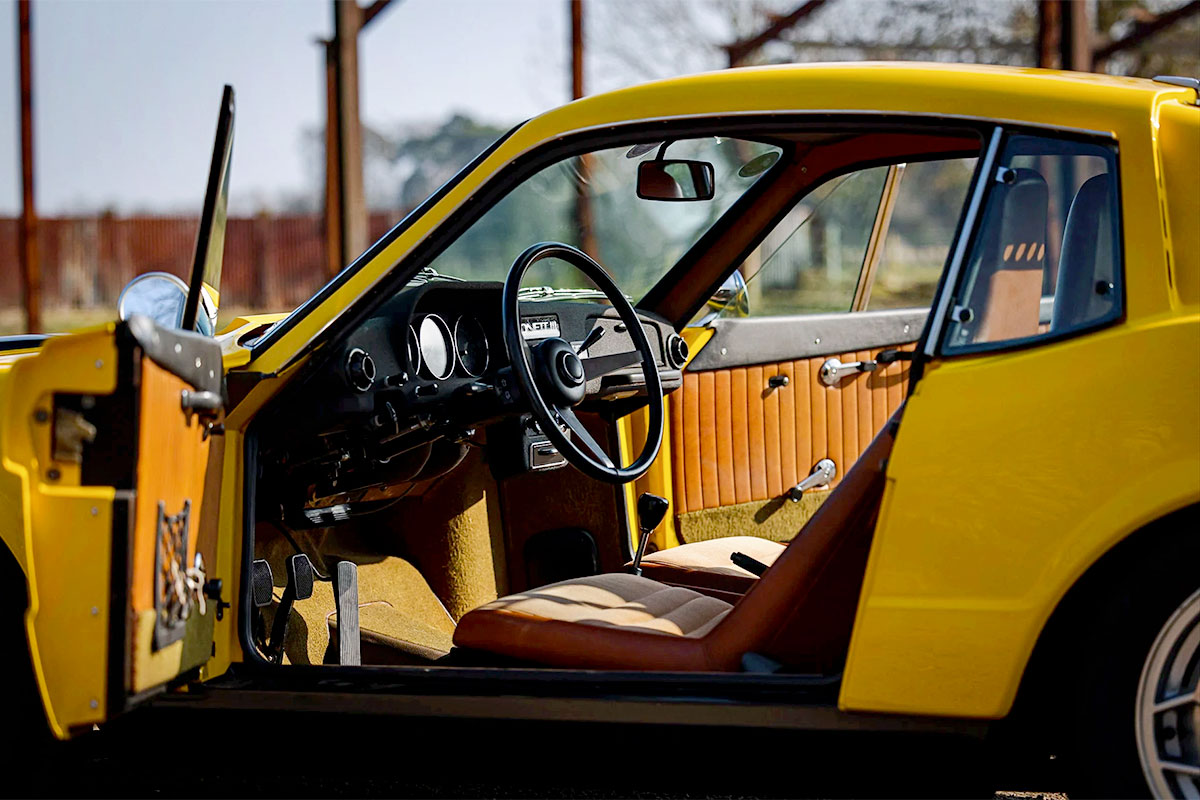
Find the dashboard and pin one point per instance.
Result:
(401, 398)
(444, 341)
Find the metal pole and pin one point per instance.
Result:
(333, 172)
(583, 198)
(28, 244)
(352, 204)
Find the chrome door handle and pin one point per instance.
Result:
(833, 370)
(822, 474)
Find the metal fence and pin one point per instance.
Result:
(272, 263)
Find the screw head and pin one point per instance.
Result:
(99, 363)
(41, 415)
(53, 474)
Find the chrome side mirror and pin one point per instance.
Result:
(163, 297)
(731, 300)
(158, 295)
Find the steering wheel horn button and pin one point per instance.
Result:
(570, 368)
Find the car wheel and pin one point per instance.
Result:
(1134, 708)
(1168, 705)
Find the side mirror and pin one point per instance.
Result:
(675, 180)
(158, 295)
(731, 300)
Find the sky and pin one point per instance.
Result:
(126, 91)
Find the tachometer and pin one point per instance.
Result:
(471, 345)
(437, 346)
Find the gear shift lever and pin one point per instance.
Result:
(650, 510)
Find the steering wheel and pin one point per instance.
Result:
(554, 378)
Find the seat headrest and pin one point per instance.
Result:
(1086, 260)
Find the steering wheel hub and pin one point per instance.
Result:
(559, 372)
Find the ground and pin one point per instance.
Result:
(299, 755)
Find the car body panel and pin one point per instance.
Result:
(1060, 450)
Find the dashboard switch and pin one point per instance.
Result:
(427, 390)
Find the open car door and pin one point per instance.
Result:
(111, 484)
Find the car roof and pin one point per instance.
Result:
(1079, 100)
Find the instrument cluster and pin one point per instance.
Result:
(438, 350)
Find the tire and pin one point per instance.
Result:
(1142, 626)
(23, 726)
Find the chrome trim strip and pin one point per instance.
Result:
(986, 170)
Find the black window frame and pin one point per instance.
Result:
(1007, 132)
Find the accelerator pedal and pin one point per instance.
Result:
(345, 592)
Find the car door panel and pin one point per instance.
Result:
(738, 444)
(103, 432)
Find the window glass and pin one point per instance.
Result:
(929, 199)
(1046, 257)
(810, 262)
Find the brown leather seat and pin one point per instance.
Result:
(706, 566)
(800, 612)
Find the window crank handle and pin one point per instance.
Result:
(833, 370)
(824, 472)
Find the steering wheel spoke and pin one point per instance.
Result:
(567, 416)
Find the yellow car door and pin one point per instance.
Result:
(107, 507)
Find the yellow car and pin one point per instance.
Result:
(833, 397)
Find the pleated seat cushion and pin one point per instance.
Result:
(615, 620)
(706, 564)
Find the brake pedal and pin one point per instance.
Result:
(345, 591)
(299, 587)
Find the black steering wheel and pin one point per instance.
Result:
(554, 378)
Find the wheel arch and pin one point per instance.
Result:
(1061, 632)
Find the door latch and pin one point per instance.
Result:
(833, 370)
(824, 472)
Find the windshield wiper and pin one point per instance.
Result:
(427, 274)
(551, 293)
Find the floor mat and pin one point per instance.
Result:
(397, 609)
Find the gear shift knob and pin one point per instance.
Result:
(650, 510)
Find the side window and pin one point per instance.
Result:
(1046, 259)
(810, 262)
(924, 215)
(869, 240)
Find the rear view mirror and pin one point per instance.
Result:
(675, 180)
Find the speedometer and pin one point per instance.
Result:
(437, 346)
(471, 345)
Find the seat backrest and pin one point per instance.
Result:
(1086, 254)
(801, 611)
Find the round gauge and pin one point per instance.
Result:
(471, 346)
(413, 344)
(437, 346)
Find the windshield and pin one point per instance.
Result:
(591, 202)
